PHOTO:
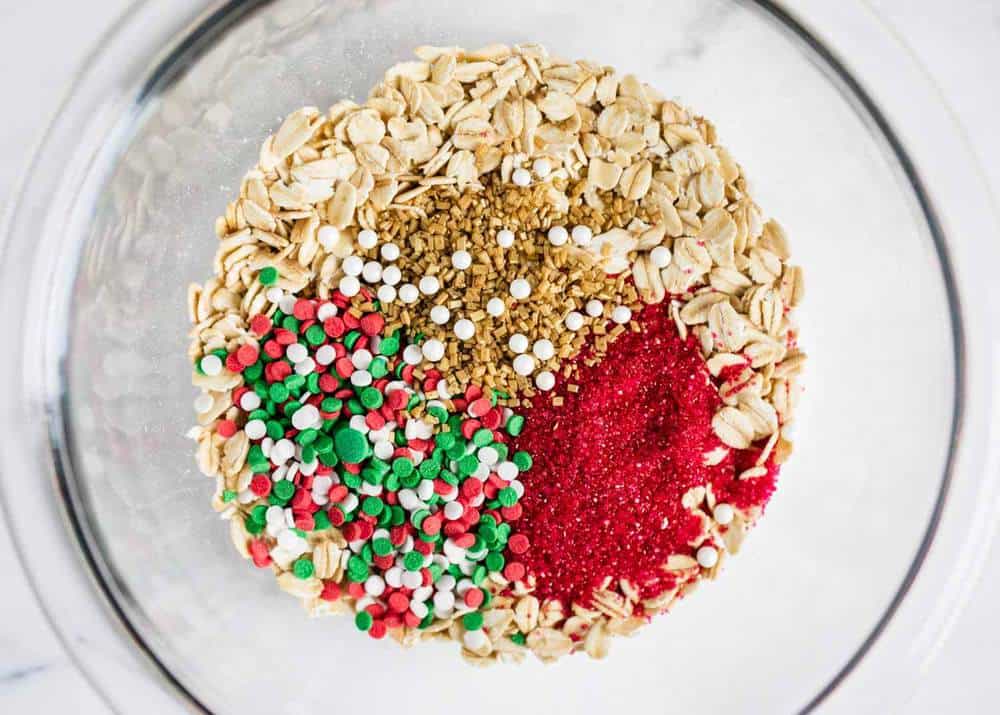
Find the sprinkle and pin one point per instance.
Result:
(391, 275)
(542, 167)
(524, 364)
(558, 236)
(660, 257)
(621, 314)
(518, 343)
(461, 260)
(495, 307)
(594, 308)
(707, 556)
(505, 238)
(543, 349)
(372, 271)
(440, 314)
(520, 289)
(349, 286)
(429, 285)
(582, 235)
(353, 265)
(408, 293)
(268, 276)
(723, 513)
(389, 252)
(574, 320)
(328, 237)
(464, 329)
(545, 380)
(367, 238)
(386, 293)
(433, 350)
(211, 365)
(521, 177)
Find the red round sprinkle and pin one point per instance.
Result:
(338, 492)
(247, 355)
(493, 418)
(473, 598)
(465, 540)
(344, 366)
(377, 610)
(328, 383)
(336, 515)
(304, 520)
(384, 562)
(478, 408)
(260, 485)
(514, 571)
(285, 337)
(330, 592)
(233, 363)
(372, 324)
(273, 350)
(399, 603)
(396, 399)
(355, 589)
(454, 528)
(431, 525)
(260, 324)
(518, 543)
(351, 321)
(226, 428)
(304, 309)
(423, 547)
(471, 488)
(469, 428)
(334, 326)
(393, 621)
(512, 513)
(410, 619)
(375, 421)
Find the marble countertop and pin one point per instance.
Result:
(37, 58)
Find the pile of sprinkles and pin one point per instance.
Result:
(503, 356)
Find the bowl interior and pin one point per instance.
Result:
(874, 425)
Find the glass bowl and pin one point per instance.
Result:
(837, 594)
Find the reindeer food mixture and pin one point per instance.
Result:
(503, 355)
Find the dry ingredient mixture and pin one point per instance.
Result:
(503, 355)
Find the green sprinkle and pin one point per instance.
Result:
(402, 467)
(495, 561)
(429, 468)
(312, 382)
(372, 506)
(472, 621)
(417, 517)
(315, 335)
(371, 398)
(294, 381)
(321, 520)
(382, 547)
(268, 276)
(253, 373)
(398, 516)
(389, 346)
(522, 460)
(507, 496)
(378, 368)
(303, 568)
(278, 392)
(308, 454)
(351, 446)
(323, 444)
(228, 495)
(514, 425)
(444, 440)
(284, 489)
(413, 560)
(355, 407)
(436, 572)
(501, 450)
(331, 404)
(352, 480)
(351, 338)
(291, 324)
(482, 437)
(363, 620)
(467, 464)
(479, 575)
(307, 436)
(518, 638)
(252, 526)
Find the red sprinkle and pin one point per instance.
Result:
(473, 598)
(226, 428)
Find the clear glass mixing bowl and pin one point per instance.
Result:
(116, 219)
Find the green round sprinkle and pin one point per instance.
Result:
(382, 547)
(385, 518)
(514, 425)
(261, 467)
(495, 561)
(487, 599)
(351, 338)
(518, 638)
(501, 450)
(468, 464)
(472, 621)
(482, 437)
(487, 519)
(303, 568)
(436, 572)
(488, 533)
(367, 554)
(291, 324)
(410, 480)
(278, 392)
(402, 467)
(283, 489)
(307, 436)
(378, 368)
(253, 373)
(398, 516)
(457, 450)
(479, 575)
(507, 496)
(312, 382)
(252, 526)
(357, 569)
(417, 517)
(426, 620)
(448, 477)
(321, 521)
(391, 483)
(371, 398)
(308, 454)
(268, 276)
(429, 469)
(522, 460)
(355, 407)
(315, 335)
(389, 346)
(323, 443)
(228, 495)
(363, 620)
(331, 404)
(444, 440)
(328, 459)
(294, 381)
(352, 480)
(413, 560)
(351, 446)
(291, 407)
(372, 506)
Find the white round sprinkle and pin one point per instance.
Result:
(203, 402)
(367, 238)
(287, 304)
(594, 308)
(621, 314)
(391, 275)
(507, 471)
(419, 609)
(543, 349)
(305, 417)
(296, 352)
(444, 600)
(304, 367)
(524, 364)
(429, 285)
(255, 429)
(521, 177)
(389, 251)
(327, 237)
(505, 238)
(250, 401)
(495, 307)
(723, 513)
(211, 365)
(408, 293)
(374, 586)
(453, 510)
(394, 576)
(545, 380)
(464, 329)
(582, 235)
(461, 260)
(372, 271)
(361, 378)
(440, 314)
(275, 294)
(326, 355)
(327, 310)
(412, 579)
(386, 293)
(353, 265)
(361, 359)
(433, 350)
(349, 286)
(475, 640)
(660, 257)
(574, 320)
(518, 343)
(558, 236)
(520, 288)
(542, 167)
(708, 556)
(383, 449)
(413, 355)
(488, 455)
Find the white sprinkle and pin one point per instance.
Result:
(542, 167)
(374, 586)
(582, 235)
(521, 177)
(304, 367)
(275, 294)
(327, 310)
(256, 429)
(707, 557)
(203, 402)
(349, 286)
(367, 238)
(545, 380)
(507, 470)
(474, 640)
(464, 329)
(518, 343)
(413, 355)
(328, 237)
(386, 293)
(211, 365)
(412, 579)
(361, 359)
(383, 449)
(495, 307)
(250, 401)
(429, 285)
(660, 257)
(296, 352)
(520, 288)
(723, 513)
(372, 272)
(453, 511)
(361, 378)
(305, 417)
(574, 320)
(325, 355)
(419, 609)
(433, 350)
(621, 314)
(524, 364)
(558, 236)
(444, 600)
(594, 308)
(445, 583)
(488, 455)
(394, 576)
(391, 275)
(408, 293)
(287, 303)
(543, 349)
(440, 314)
(461, 260)
(505, 238)
(353, 265)
(389, 251)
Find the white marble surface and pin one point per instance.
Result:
(959, 46)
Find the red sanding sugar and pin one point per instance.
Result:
(611, 464)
